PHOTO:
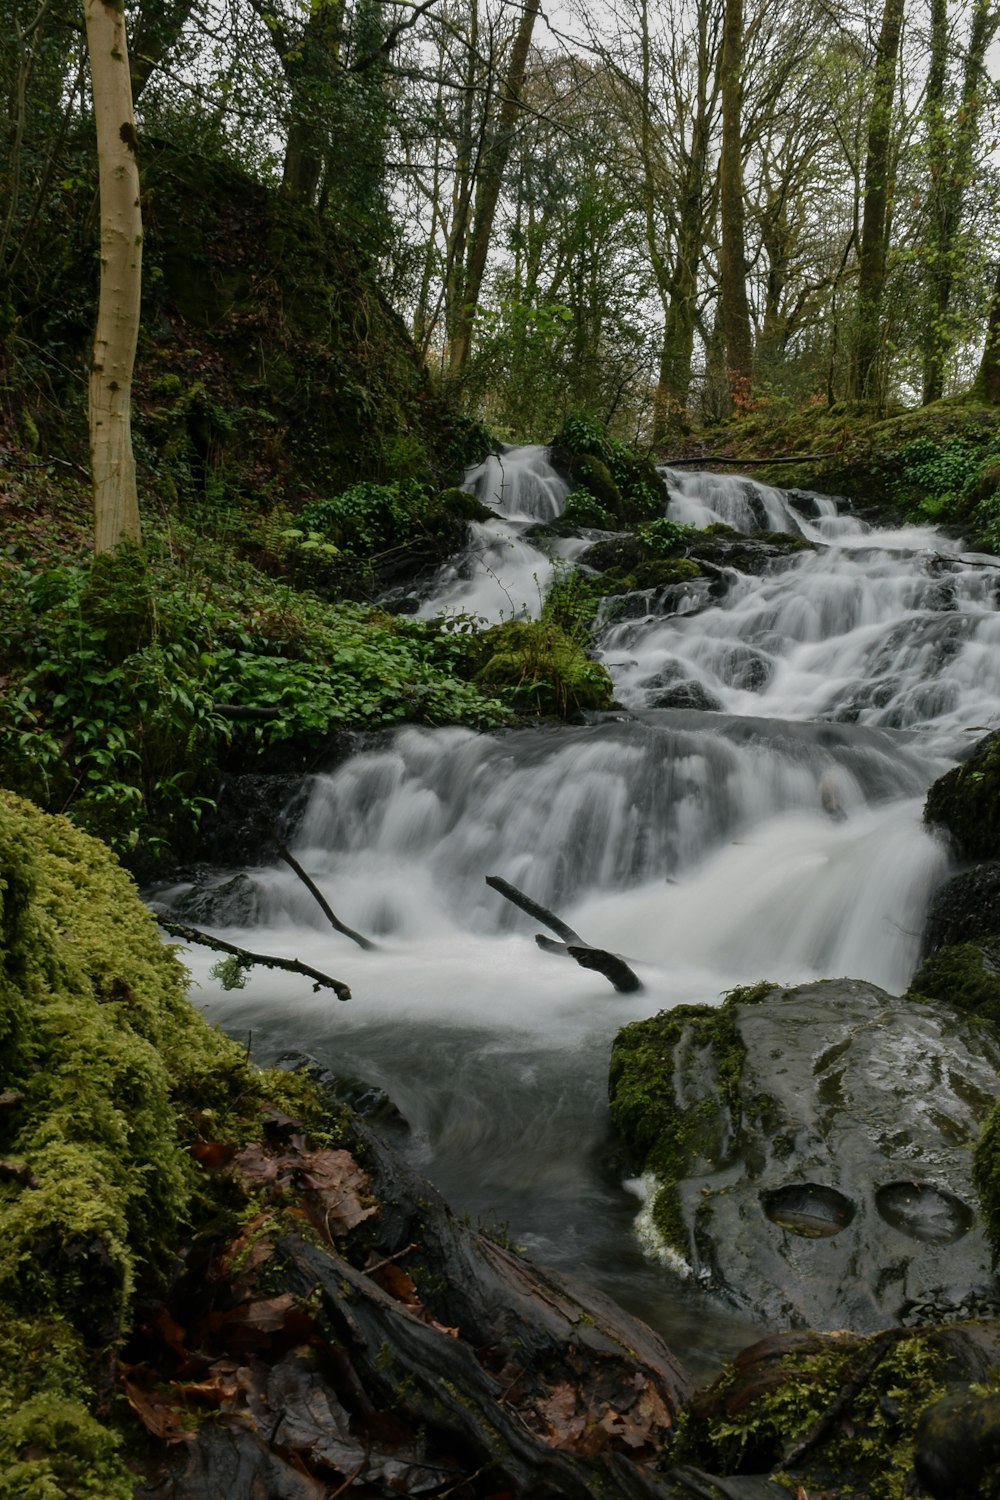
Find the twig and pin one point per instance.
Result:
(720, 458)
(388, 1259)
(325, 907)
(266, 960)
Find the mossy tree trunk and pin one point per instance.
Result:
(987, 386)
(735, 305)
(951, 150)
(116, 501)
(866, 376)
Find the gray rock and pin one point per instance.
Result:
(819, 1141)
(967, 907)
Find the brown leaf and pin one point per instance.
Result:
(156, 1413)
(558, 1412)
(213, 1153)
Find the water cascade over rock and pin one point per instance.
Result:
(769, 829)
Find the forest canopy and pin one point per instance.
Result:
(658, 213)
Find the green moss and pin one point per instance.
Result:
(665, 1136)
(966, 802)
(542, 669)
(732, 1430)
(98, 1036)
(966, 975)
(661, 572)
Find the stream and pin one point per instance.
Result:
(770, 829)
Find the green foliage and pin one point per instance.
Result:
(571, 604)
(539, 668)
(944, 471)
(666, 538)
(118, 673)
(582, 509)
(368, 518)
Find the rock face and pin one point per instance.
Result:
(966, 802)
(812, 1150)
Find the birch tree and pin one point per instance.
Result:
(116, 502)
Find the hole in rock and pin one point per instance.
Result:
(808, 1209)
(924, 1212)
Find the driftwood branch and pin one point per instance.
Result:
(324, 905)
(265, 960)
(745, 463)
(611, 965)
(873, 1356)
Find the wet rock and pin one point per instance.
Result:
(249, 809)
(965, 802)
(232, 902)
(958, 1445)
(966, 908)
(810, 1150)
(687, 695)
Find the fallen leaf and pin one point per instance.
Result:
(156, 1413)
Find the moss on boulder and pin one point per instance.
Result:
(99, 1052)
(966, 975)
(542, 669)
(965, 801)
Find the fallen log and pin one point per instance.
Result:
(264, 960)
(611, 965)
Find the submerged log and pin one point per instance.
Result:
(611, 965)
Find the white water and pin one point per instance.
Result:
(778, 837)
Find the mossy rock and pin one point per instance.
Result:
(660, 572)
(541, 669)
(965, 801)
(100, 1055)
(966, 975)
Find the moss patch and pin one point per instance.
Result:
(108, 1074)
(541, 669)
(966, 975)
(965, 801)
(646, 1089)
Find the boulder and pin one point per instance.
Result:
(965, 802)
(807, 1151)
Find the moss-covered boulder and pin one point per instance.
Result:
(965, 802)
(790, 1161)
(542, 669)
(965, 975)
(98, 1047)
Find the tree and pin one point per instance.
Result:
(867, 381)
(116, 501)
(733, 288)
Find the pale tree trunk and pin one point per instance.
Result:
(116, 502)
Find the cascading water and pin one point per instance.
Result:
(776, 834)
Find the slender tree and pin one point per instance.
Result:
(866, 381)
(116, 502)
(734, 301)
(987, 384)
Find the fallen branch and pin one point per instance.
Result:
(872, 1357)
(265, 960)
(324, 905)
(611, 965)
(720, 458)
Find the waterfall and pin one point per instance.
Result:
(771, 828)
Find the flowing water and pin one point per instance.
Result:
(776, 835)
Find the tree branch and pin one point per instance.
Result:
(266, 960)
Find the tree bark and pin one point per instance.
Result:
(116, 501)
(735, 304)
(951, 151)
(987, 386)
(866, 381)
(490, 183)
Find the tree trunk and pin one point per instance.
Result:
(950, 150)
(116, 501)
(735, 305)
(490, 183)
(987, 386)
(866, 381)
